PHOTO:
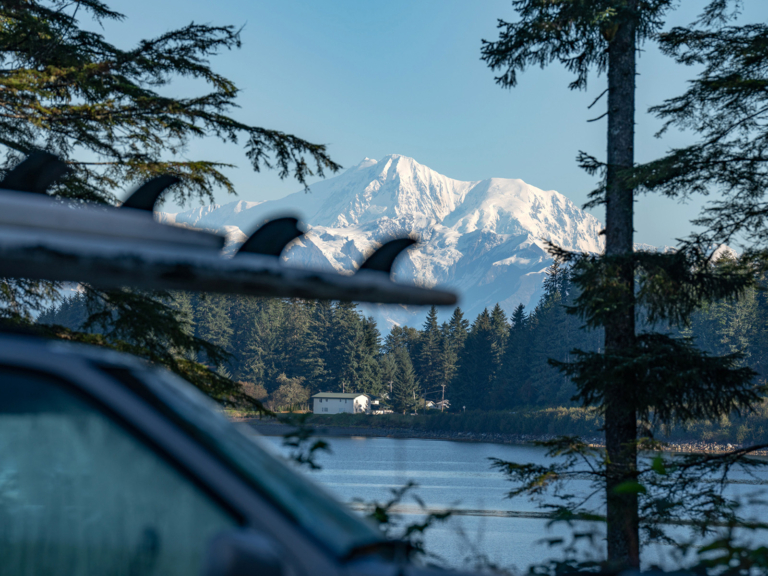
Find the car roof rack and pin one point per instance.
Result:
(47, 238)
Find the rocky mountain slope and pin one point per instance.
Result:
(485, 239)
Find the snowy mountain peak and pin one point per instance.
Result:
(394, 187)
(486, 238)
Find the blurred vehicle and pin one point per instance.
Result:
(109, 465)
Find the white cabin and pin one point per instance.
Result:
(339, 403)
(439, 405)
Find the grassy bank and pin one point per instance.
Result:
(747, 429)
(553, 421)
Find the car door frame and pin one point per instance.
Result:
(302, 554)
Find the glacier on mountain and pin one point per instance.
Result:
(485, 239)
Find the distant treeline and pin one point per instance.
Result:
(285, 350)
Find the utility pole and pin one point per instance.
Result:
(442, 404)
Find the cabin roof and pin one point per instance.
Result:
(338, 395)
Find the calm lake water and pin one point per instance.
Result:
(458, 475)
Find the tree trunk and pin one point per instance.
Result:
(620, 415)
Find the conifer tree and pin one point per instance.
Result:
(350, 363)
(402, 337)
(519, 319)
(500, 333)
(370, 378)
(458, 328)
(112, 116)
(295, 356)
(316, 347)
(760, 345)
(405, 388)
(428, 366)
(388, 375)
(552, 339)
(350, 346)
(448, 361)
(262, 352)
(213, 323)
(183, 304)
(72, 313)
(604, 35)
(476, 377)
(372, 336)
(726, 106)
(514, 386)
(636, 374)
(456, 332)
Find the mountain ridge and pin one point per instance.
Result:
(485, 238)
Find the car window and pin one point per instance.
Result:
(79, 494)
(309, 505)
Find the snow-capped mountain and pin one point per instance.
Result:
(485, 239)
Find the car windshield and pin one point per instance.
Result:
(311, 507)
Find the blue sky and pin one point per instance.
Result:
(404, 76)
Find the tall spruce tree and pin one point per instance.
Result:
(458, 328)
(635, 375)
(455, 333)
(448, 362)
(546, 334)
(726, 107)
(351, 362)
(184, 305)
(519, 319)
(500, 333)
(213, 322)
(402, 337)
(554, 337)
(514, 387)
(602, 35)
(317, 350)
(405, 389)
(388, 375)
(111, 115)
(370, 377)
(261, 343)
(476, 377)
(428, 365)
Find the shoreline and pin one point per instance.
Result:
(272, 428)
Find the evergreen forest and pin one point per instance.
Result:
(283, 351)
